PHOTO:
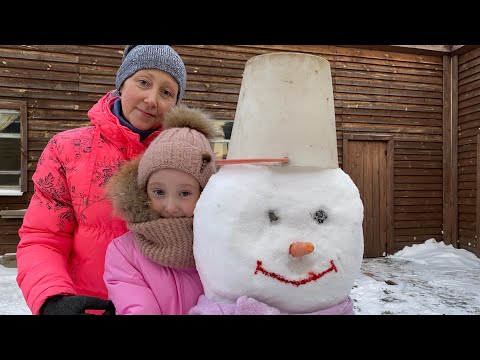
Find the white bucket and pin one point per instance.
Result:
(286, 109)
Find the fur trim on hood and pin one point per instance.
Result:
(128, 200)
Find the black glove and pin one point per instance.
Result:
(75, 305)
(110, 310)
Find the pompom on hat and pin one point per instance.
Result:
(161, 57)
(183, 144)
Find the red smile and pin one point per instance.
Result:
(311, 276)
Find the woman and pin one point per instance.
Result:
(69, 223)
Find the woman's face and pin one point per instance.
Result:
(147, 96)
(172, 193)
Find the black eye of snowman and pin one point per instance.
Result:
(320, 216)
(272, 215)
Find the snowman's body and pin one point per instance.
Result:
(250, 217)
(247, 218)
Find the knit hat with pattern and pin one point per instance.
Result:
(161, 57)
(182, 145)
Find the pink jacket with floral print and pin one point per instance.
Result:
(69, 223)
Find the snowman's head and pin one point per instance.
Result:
(248, 219)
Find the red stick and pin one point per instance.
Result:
(250, 161)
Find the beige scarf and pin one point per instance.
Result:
(168, 242)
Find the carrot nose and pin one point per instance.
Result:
(299, 249)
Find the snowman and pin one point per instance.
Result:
(278, 229)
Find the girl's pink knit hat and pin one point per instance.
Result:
(182, 145)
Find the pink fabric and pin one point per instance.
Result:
(249, 306)
(138, 286)
(68, 224)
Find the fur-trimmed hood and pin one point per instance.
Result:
(128, 200)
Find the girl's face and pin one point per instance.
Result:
(147, 96)
(173, 193)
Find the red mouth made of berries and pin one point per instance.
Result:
(311, 276)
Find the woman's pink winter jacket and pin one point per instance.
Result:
(69, 223)
(138, 286)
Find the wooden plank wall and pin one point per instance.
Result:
(376, 92)
(60, 83)
(468, 148)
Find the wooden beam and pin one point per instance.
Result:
(12, 214)
(477, 222)
(413, 49)
(438, 48)
(448, 209)
(454, 145)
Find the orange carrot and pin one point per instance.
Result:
(299, 249)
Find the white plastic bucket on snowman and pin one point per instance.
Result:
(286, 109)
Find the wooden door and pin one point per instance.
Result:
(367, 164)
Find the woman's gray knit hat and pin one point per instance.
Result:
(161, 57)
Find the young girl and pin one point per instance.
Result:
(150, 270)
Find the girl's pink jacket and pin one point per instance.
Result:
(69, 223)
(138, 286)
